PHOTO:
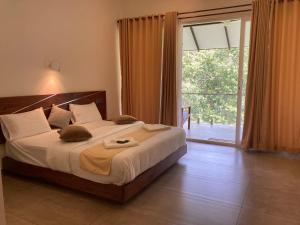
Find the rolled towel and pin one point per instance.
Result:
(120, 143)
(156, 127)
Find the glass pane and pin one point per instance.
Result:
(210, 83)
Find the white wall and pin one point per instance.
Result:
(134, 8)
(79, 34)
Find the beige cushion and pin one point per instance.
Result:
(85, 113)
(125, 119)
(59, 117)
(74, 134)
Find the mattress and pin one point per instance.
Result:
(47, 150)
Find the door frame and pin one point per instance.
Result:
(244, 17)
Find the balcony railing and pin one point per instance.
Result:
(212, 108)
(195, 93)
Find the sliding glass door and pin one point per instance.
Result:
(214, 72)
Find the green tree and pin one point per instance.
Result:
(210, 81)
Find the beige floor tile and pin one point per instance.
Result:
(14, 220)
(212, 172)
(255, 217)
(20, 193)
(130, 217)
(52, 212)
(278, 203)
(45, 204)
(213, 188)
(206, 187)
(223, 156)
(276, 181)
(183, 208)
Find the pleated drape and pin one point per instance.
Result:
(272, 120)
(257, 73)
(169, 76)
(141, 63)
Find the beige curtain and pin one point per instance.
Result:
(141, 61)
(258, 61)
(169, 84)
(272, 120)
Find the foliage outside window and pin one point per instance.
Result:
(210, 81)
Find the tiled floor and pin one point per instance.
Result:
(216, 132)
(210, 185)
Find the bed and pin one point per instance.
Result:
(44, 157)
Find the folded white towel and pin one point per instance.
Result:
(113, 143)
(156, 127)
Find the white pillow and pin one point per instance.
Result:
(85, 113)
(15, 126)
(59, 117)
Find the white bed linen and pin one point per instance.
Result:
(47, 150)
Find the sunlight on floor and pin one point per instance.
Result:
(216, 132)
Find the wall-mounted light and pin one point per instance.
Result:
(54, 65)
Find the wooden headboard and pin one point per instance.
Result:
(21, 104)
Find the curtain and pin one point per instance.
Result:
(258, 61)
(169, 77)
(141, 62)
(272, 120)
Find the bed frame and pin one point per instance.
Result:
(120, 194)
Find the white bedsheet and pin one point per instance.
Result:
(47, 150)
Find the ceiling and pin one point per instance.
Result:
(214, 35)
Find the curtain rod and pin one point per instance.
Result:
(143, 17)
(214, 14)
(200, 11)
(213, 9)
